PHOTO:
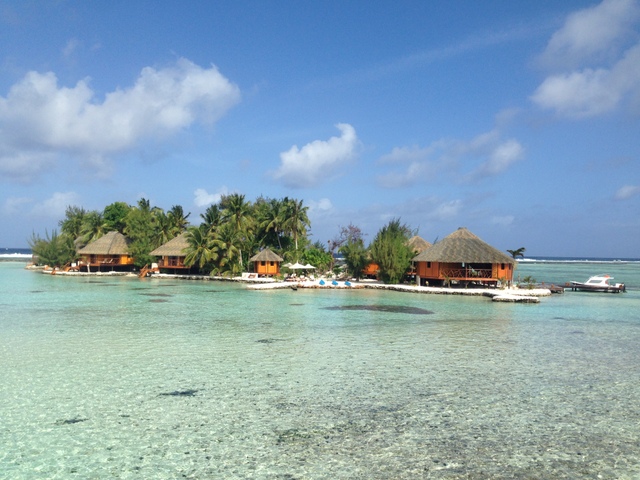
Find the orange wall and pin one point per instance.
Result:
(266, 268)
(371, 269)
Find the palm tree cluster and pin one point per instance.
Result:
(233, 229)
(230, 232)
(147, 228)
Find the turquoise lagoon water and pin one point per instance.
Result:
(128, 378)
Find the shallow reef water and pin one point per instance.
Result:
(314, 384)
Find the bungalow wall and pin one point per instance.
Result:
(468, 272)
(503, 270)
(371, 270)
(172, 262)
(266, 267)
(107, 259)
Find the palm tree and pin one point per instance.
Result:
(271, 219)
(517, 253)
(211, 218)
(179, 222)
(227, 243)
(236, 211)
(297, 220)
(164, 230)
(93, 227)
(72, 223)
(200, 251)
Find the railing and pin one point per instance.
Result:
(467, 273)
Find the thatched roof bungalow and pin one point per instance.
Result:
(173, 254)
(110, 251)
(266, 262)
(464, 258)
(418, 244)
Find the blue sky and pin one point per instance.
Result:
(517, 120)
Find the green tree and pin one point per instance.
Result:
(317, 256)
(55, 250)
(114, 216)
(296, 219)
(518, 253)
(164, 229)
(355, 256)
(390, 251)
(227, 242)
(347, 234)
(237, 212)
(178, 220)
(211, 218)
(270, 218)
(140, 228)
(201, 252)
(74, 218)
(93, 226)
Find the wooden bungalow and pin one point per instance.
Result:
(109, 252)
(465, 259)
(173, 254)
(416, 243)
(266, 263)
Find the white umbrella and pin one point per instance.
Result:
(308, 266)
(297, 266)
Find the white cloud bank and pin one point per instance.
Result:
(317, 161)
(490, 153)
(42, 123)
(598, 68)
(202, 198)
(627, 191)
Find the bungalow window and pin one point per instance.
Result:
(271, 264)
(428, 264)
(263, 263)
(502, 266)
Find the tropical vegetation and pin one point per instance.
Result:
(229, 233)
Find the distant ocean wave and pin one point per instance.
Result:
(578, 260)
(15, 254)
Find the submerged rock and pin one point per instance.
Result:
(179, 393)
(384, 308)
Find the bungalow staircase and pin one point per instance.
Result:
(144, 271)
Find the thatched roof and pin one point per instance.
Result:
(266, 255)
(112, 243)
(463, 246)
(173, 248)
(418, 244)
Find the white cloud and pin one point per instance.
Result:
(407, 154)
(322, 205)
(317, 161)
(503, 221)
(577, 94)
(627, 191)
(413, 165)
(599, 73)
(14, 205)
(501, 158)
(71, 46)
(40, 118)
(446, 210)
(55, 206)
(592, 33)
(202, 198)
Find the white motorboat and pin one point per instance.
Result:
(598, 283)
